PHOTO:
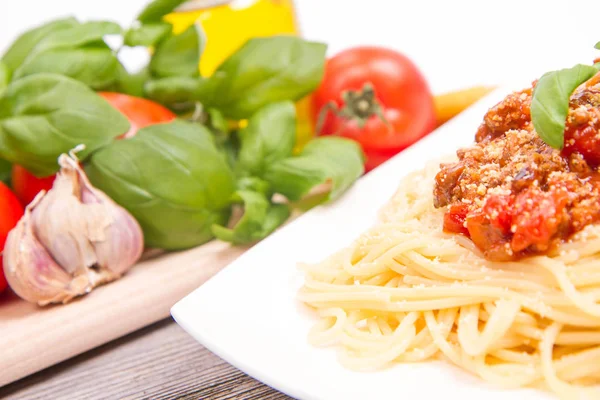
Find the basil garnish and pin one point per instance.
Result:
(550, 102)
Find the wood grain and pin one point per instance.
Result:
(158, 362)
(33, 338)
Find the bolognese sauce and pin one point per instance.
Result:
(514, 195)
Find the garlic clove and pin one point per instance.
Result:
(120, 246)
(31, 272)
(70, 240)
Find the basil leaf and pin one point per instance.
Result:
(254, 184)
(45, 115)
(263, 71)
(334, 159)
(216, 121)
(259, 220)
(597, 46)
(550, 102)
(21, 47)
(98, 68)
(157, 9)
(5, 73)
(179, 55)
(173, 90)
(269, 137)
(80, 35)
(172, 179)
(5, 171)
(147, 34)
(229, 145)
(132, 83)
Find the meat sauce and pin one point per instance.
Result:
(515, 196)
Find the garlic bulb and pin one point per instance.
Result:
(70, 240)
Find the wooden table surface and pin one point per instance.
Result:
(158, 362)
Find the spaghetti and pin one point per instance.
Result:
(406, 291)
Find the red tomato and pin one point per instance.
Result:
(26, 185)
(392, 112)
(454, 219)
(140, 112)
(11, 212)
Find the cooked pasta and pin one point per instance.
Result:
(406, 291)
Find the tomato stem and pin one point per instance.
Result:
(357, 106)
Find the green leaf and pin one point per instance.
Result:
(45, 115)
(157, 9)
(21, 47)
(333, 159)
(98, 68)
(216, 121)
(172, 179)
(5, 171)
(263, 71)
(5, 73)
(132, 83)
(179, 55)
(173, 90)
(269, 137)
(254, 184)
(77, 52)
(597, 46)
(80, 35)
(550, 102)
(259, 220)
(229, 146)
(147, 34)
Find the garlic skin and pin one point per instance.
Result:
(70, 240)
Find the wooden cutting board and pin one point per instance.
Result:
(33, 338)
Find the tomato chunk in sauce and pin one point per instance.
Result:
(515, 196)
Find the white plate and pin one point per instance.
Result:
(248, 313)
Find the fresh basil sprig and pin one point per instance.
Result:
(157, 9)
(44, 115)
(92, 32)
(5, 74)
(77, 51)
(263, 71)
(98, 68)
(259, 220)
(328, 159)
(550, 102)
(179, 55)
(176, 92)
(172, 179)
(132, 84)
(24, 44)
(269, 137)
(147, 34)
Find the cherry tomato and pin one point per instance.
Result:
(26, 185)
(382, 101)
(140, 112)
(11, 212)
